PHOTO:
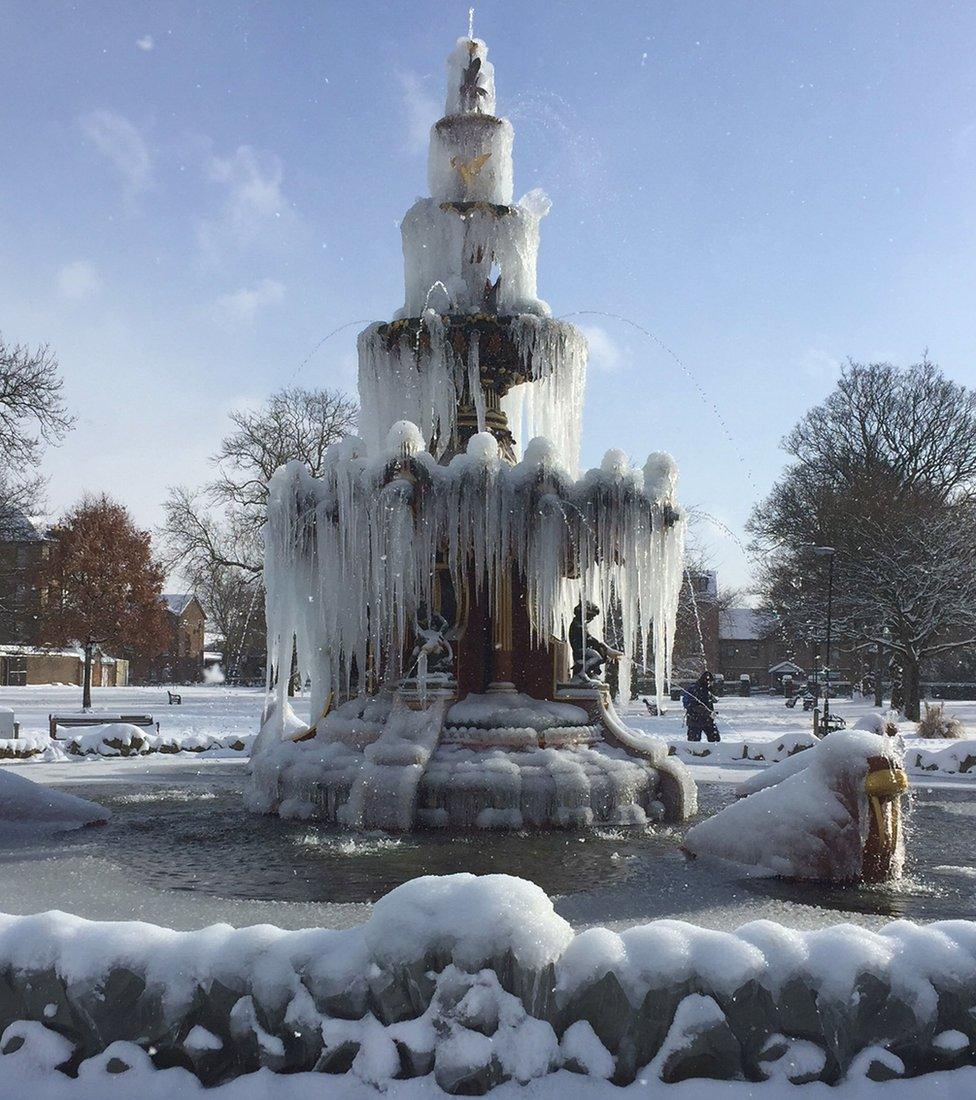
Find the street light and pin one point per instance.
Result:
(830, 553)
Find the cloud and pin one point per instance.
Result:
(422, 110)
(255, 210)
(242, 306)
(117, 139)
(79, 280)
(605, 353)
(145, 43)
(819, 365)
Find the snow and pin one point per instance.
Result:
(760, 729)
(807, 817)
(462, 929)
(27, 806)
(151, 1084)
(210, 710)
(951, 1042)
(581, 1048)
(513, 711)
(470, 918)
(111, 739)
(199, 1039)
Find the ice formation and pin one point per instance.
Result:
(351, 556)
(463, 492)
(808, 816)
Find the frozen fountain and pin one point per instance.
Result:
(440, 585)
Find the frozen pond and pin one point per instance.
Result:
(181, 850)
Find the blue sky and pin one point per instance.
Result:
(193, 195)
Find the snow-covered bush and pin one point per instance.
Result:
(936, 723)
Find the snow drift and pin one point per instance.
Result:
(26, 806)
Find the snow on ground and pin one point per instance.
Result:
(213, 710)
(212, 720)
(29, 1079)
(763, 726)
(761, 717)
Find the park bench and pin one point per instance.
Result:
(95, 718)
(175, 699)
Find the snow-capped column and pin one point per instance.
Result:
(470, 149)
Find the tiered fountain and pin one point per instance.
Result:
(438, 586)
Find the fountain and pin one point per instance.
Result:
(430, 586)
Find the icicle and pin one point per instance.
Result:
(474, 381)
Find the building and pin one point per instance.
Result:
(746, 646)
(182, 662)
(750, 645)
(696, 628)
(21, 665)
(24, 547)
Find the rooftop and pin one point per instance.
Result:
(743, 624)
(177, 602)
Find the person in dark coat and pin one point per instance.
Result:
(699, 704)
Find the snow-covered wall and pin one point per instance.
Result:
(478, 981)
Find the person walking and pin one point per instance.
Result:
(699, 704)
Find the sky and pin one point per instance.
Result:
(194, 196)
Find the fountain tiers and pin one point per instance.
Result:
(436, 516)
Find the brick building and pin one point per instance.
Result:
(24, 547)
(183, 661)
(750, 644)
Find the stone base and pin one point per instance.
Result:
(561, 768)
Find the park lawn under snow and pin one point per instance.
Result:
(212, 716)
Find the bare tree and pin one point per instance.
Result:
(884, 472)
(32, 414)
(213, 535)
(295, 424)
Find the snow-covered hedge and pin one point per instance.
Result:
(959, 758)
(121, 739)
(478, 981)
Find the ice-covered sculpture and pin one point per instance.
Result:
(830, 814)
(428, 579)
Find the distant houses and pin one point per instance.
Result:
(21, 665)
(182, 662)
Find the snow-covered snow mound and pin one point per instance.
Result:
(111, 739)
(805, 817)
(26, 806)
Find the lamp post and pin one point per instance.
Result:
(830, 553)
